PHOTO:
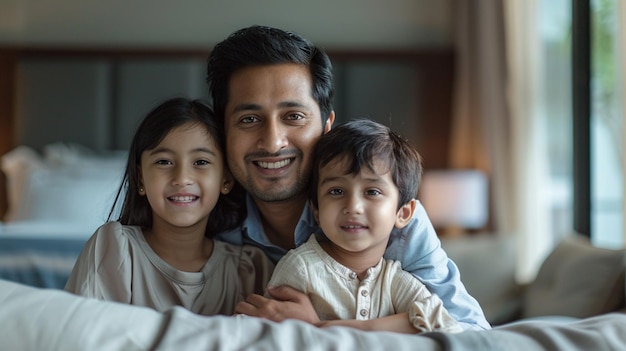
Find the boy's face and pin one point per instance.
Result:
(272, 123)
(357, 212)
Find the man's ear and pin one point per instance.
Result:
(329, 122)
(316, 212)
(405, 213)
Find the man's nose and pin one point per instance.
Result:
(274, 137)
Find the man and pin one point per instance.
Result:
(274, 90)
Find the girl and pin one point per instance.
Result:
(159, 252)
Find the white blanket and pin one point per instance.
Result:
(45, 319)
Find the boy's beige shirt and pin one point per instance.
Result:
(337, 293)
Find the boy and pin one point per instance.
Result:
(364, 182)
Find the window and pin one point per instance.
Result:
(607, 221)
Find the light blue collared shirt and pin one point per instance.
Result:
(416, 246)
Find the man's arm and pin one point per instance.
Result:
(419, 250)
(286, 296)
(285, 303)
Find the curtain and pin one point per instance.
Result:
(497, 120)
(480, 126)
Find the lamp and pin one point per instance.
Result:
(455, 200)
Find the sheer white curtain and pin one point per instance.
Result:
(498, 123)
(531, 178)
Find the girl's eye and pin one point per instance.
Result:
(202, 163)
(163, 162)
(248, 119)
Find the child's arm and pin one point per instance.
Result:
(421, 254)
(426, 311)
(421, 310)
(398, 323)
(103, 269)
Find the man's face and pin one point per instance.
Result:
(272, 123)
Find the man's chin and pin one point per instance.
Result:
(275, 197)
(277, 194)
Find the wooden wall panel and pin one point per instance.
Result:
(422, 79)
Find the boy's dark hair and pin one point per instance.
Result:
(259, 46)
(362, 141)
(151, 131)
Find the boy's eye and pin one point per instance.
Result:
(335, 191)
(373, 192)
(202, 163)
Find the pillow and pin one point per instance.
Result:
(577, 280)
(487, 266)
(16, 165)
(71, 194)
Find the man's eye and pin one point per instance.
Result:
(294, 116)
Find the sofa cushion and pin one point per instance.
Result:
(487, 266)
(577, 280)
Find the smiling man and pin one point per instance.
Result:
(274, 90)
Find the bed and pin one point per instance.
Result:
(38, 319)
(57, 199)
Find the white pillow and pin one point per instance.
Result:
(81, 193)
(17, 164)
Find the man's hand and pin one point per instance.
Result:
(286, 303)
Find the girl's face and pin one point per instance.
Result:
(183, 178)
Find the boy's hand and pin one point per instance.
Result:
(286, 303)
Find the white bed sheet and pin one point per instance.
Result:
(38, 319)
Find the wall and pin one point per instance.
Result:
(338, 26)
(344, 24)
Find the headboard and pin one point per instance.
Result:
(95, 97)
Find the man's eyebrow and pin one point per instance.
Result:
(257, 107)
(292, 104)
(247, 107)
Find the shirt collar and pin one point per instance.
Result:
(253, 227)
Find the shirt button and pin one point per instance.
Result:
(364, 293)
(352, 275)
(363, 313)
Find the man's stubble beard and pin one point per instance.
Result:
(276, 192)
